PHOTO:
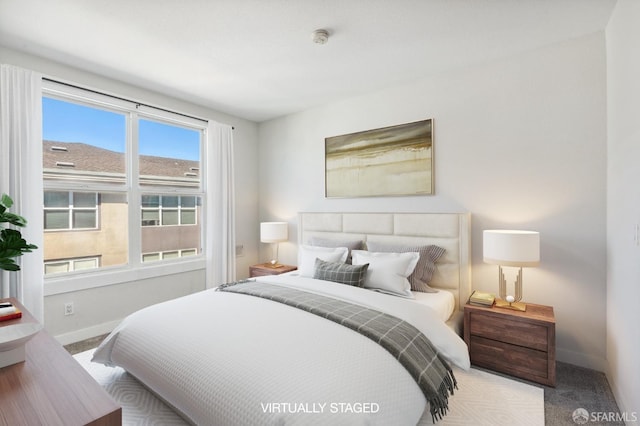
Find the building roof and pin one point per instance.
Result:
(79, 158)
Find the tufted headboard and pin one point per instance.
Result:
(448, 230)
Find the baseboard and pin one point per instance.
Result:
(626, 408)
(582, 360)
(87, 333)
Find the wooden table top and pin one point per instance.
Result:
(51, 387)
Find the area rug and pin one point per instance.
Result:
(481, 399)
(487, 399)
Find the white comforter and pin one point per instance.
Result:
(229, 359)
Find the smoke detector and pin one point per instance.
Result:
(320, 36)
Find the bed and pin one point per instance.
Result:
(222, 357)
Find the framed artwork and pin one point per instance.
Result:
(395, 160)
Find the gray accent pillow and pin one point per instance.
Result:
(421, 276)
(328, 242)
(341, 272)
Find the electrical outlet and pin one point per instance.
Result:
(239, 250)
(68, 308)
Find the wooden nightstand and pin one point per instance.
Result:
(522, 344)
(266, 269)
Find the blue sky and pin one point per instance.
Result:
(68, 122)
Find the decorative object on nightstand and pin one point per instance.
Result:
(522, 344)
(13, 337)
(274, 232)
(9, 312)
(268, 269)
(480, 298)
(511, 248)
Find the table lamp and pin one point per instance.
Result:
(511, 248)
(274, 232)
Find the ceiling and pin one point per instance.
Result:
(255, 58)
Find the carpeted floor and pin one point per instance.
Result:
(85, 345)
(576, 388)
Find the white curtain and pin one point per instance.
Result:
(21, 178)
(220, 225)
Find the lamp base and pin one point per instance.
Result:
(273, 264)
(516, 306)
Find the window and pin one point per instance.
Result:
(70, 210)
(168, 210)
(120, 180)
(174, 254)
(68, 265)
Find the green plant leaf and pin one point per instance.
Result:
(13, 219)
(12, 244)
(12, 239)
(8, 265)
(6, 201)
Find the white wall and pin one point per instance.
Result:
(91, 316)
(98, 310)
(623, 204)
(519, 143)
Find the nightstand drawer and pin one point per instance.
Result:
(515, 360)
(511, 331)
(262, 272)
(519, 343)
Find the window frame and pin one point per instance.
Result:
(133, 190)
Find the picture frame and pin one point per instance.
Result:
(389, 161)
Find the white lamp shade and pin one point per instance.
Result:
(274, 232)
(511, 248)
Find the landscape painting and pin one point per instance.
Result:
(390, 161)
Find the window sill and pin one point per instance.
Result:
(84, 281)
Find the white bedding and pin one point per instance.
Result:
(442, 302)
(227, 359)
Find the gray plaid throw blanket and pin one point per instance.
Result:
(406, 343)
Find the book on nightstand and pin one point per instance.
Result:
(480, 298)
(9, 312)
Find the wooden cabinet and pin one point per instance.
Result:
(522, 344)
(266, 269)
(52, 388)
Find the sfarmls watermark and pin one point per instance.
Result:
(581, 416)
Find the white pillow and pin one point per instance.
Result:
(387, 272)
(307, 256)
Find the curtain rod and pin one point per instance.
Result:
(126, 100)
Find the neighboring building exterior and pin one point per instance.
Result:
(88, 229)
